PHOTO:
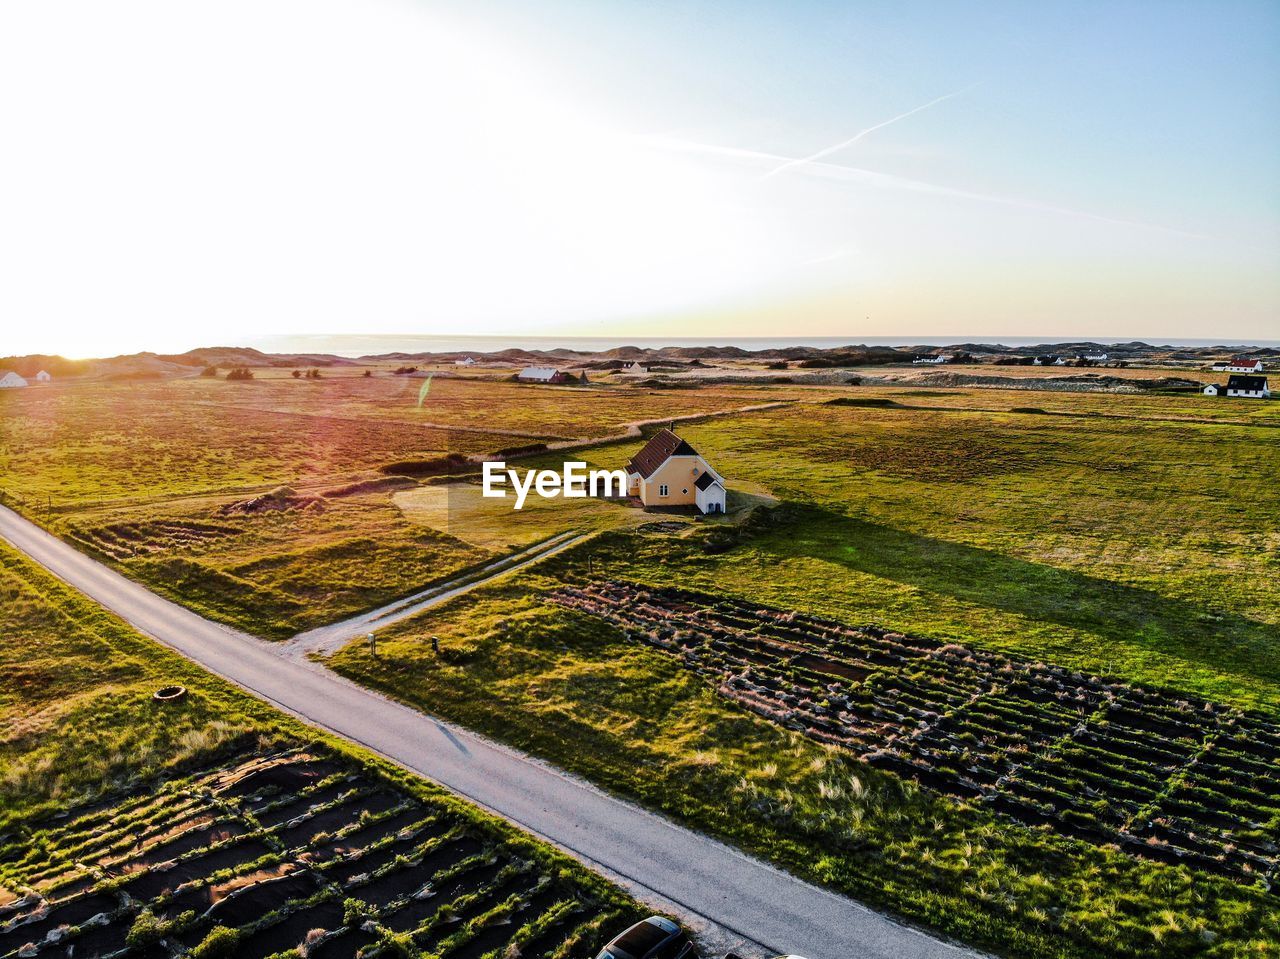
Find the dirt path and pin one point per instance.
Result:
(325, 640)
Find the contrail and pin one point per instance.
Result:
(836, 148)
(837, 171)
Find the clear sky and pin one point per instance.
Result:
(175, 174)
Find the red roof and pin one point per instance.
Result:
(657, 451)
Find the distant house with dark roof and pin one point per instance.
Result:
(670, 472)
(1250, 386)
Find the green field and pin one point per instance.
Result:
(1129, 537)
(1140, 550)
(150, 476)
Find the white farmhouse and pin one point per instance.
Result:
(932, 360)
(465, 361)
(1239, 364)
(43, 377)
(11, 381)
(1212, 390)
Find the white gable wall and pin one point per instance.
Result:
(711, 499)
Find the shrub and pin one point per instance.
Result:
(220, 943)
(209, 370)
(240, 373)
(148, 928)
(355, 911)
(451, 463)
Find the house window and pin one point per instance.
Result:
(662, 490)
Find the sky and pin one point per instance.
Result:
(177, 174)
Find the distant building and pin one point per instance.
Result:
(1096, 357)
(1050, 360)
(1213, 389)
(1250, 386)
(542, 374)
(11, 381)
(635, 369)
(1239, 364)
(43, 377)
(932, 360)
(465, 361)
(670, 472)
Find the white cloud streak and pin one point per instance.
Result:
(889, 181)
(837, 147)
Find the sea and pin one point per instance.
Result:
(369, 344)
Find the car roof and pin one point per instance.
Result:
(643, 937)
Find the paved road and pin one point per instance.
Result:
(331, 638)
(729, 898)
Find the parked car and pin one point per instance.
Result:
(654, 938)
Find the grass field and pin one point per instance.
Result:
(122, 443)
(125, 821)
(1144, 552)
(1137, 550)
(559, 412)
(1125, 537)
(142, 473)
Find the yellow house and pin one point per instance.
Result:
(669, 472)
